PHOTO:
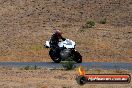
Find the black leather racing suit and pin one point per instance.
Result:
(54, 43)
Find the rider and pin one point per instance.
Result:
(57, 35)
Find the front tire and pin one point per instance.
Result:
(54, 57)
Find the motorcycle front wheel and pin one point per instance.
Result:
(54, 57)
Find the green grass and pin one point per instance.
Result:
(89, 24)
(69, 64)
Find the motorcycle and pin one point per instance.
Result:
(67, 50)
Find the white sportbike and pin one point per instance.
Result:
(67, 50)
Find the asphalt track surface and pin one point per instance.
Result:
(89, 65)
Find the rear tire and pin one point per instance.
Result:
(77, 57)
(54, 57)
